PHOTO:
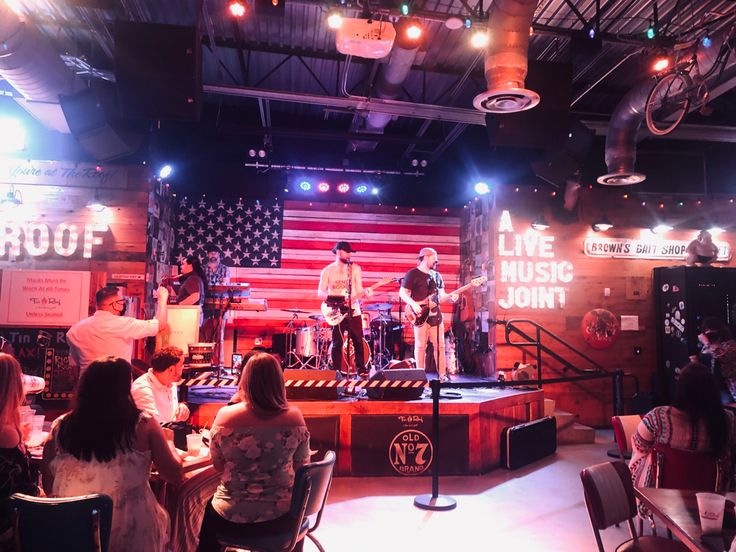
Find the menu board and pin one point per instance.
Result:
(46, 298)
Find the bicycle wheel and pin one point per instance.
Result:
(668, 103)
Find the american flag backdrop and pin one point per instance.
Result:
(386, 239)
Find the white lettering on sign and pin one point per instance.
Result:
(624, 248)
(35, 238)
(526, 262)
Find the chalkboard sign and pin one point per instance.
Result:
(43, 352)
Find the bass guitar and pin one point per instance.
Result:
(430, 306)
(334, 314)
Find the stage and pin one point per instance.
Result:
(373, 437)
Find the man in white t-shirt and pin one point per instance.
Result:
(155, 392)
(108, 333)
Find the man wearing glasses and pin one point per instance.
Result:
(108, 333)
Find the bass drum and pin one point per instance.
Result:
(306, 342)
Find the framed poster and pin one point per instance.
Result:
(43, 298)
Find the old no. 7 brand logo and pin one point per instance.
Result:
(410, 452)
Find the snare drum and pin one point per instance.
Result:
(306, 342)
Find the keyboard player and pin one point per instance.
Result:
(213, 328)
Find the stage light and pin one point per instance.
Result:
(661, 228)
(305, 185)
(468, 23)
(413, 31)
(261, 153)
(707, 41)
(715, 230)
(651, 32)
(343, 187)
(165, 171)
(237, 8)
(423, 163)
(481, 188)
(540, 223)
(12, 135)
(334, 20)
(414, 162)
(479, 39)
(602, 224)
(374, 191)
(660, 64)
(323, 187)
(591, 33)
(404, 8)
(251, 153)
(361, 189)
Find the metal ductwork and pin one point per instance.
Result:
(630, 113)
(389, 82)
(30, 64)
(506, 58)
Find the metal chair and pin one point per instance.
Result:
(311, 486)
(686, 469)
(610, 499)
(623, 428)
(79, 523)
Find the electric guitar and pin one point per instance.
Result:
(336, 314)
(430, 305)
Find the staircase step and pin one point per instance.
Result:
(564, 419)
(576, 434)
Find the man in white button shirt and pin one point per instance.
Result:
(155, 392)
(108, 333)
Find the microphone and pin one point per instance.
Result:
(348, 261)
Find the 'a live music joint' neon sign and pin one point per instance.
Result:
(528, 259)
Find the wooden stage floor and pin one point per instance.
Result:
(391, 437)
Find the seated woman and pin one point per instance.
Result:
(696, 421)
(15, 472)
(106, 445)
(257, 444)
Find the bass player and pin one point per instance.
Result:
(343, 278)
(419, 284)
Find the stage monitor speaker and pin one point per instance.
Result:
(94, 120)
(158, 70)
(314, 385)
(559, 165)
(414, 378)
(546, 125)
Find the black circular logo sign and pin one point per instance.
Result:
(410, 452)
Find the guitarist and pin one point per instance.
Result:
(419, 284)
(344, 277)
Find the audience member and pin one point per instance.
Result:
(106, 445)
(720, 345)
(696, 421)
(156, 393)
(257, 444)
(108, 332)
(15, 472)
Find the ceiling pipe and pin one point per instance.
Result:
(629, 114)
(389, 82)
(509, 24)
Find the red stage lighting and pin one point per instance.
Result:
(323, 187)
(237, 8)
(343, 187)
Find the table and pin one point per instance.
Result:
(678, 509)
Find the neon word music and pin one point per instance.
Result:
(521, 265)
(37, 238)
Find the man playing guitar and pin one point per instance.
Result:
(344, 278)
(419, 284)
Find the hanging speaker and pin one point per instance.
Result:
(158, 70)
(94, 120)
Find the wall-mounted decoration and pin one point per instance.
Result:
(600, 328)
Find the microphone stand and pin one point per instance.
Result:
(439, 321)
(350, 320)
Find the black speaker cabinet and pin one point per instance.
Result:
(158, 70)
(314, 385)
(93, 117)
(404, 384)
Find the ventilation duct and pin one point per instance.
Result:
(630, 112)
(506, 58)
(33, 68)
(389, 82)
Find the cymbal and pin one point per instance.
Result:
(296, 311)
(317, 317)
(378, 307)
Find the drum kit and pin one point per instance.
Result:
(310, 345)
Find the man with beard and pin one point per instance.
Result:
(336, 279)
(108, 332)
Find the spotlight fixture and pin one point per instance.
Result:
(479, 39)
(591, 33)
(651, 32)
(95, 205)
(323, 187)
(423, 163)
(661, 63)
(707, 41)
(251, 153)
(334, 20)
(374, 191)
(481, 188)
(361, 189)
(343, 187)
(414, 30)
(237, 8)
(715, 230)
(404, 8)
(11, 199)
(261, 153)
(540, 223)
(305, 185)
(12, 135)
(602, 224)
(661, 228)
(165, 171)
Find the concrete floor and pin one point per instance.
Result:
(539, 507)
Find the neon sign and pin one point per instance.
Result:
(37, 238)
(521, 264)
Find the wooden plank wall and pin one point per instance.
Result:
(629, 281)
